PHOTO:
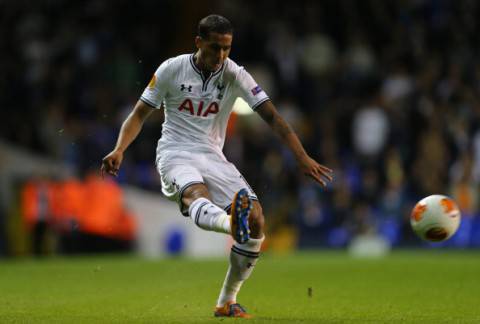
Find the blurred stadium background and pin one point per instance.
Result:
(387, 93)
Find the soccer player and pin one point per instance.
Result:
(197, 92)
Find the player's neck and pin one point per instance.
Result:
(200, 65)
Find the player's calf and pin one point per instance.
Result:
(245, 219)
(256, 220)
(243, 258)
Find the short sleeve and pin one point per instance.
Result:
(156, 89)
(249, 90)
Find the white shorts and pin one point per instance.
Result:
(180, 169)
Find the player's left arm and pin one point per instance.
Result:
(308, 166)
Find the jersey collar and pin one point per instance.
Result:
(196, 69)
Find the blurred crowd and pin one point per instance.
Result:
(386, 93)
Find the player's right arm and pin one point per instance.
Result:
(128, 132)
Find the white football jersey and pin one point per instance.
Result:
(197, 108)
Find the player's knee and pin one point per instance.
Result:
(193, 192)
(256, 221)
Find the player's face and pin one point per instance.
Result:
(214, 50)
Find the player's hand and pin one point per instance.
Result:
(315, 170)
(111, 163)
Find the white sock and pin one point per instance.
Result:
(209, 216)
(243, 258)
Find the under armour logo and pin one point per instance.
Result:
(220, 87)
(183, 87)
(249, 265)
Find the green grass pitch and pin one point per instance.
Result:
(405, 287)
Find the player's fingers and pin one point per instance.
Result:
(113, 166)
(317, 178)
(324, 168)
(320, 173)
(105, 164)
(102, 171)
(113, 171)
(324, 172)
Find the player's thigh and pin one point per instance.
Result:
(223, 181)
(179, 173)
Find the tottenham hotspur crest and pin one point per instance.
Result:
(221, 88)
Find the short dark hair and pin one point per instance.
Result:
(214, 24)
